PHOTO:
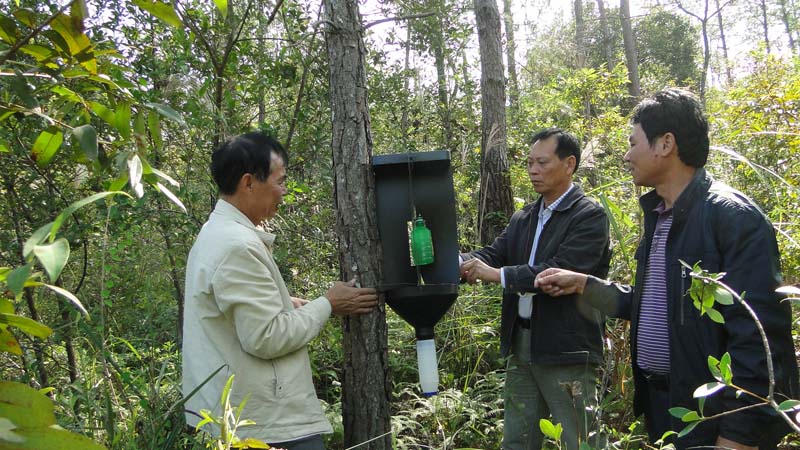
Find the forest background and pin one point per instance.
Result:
(109, 112)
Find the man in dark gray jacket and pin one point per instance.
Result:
(690, 217)
(554, 346)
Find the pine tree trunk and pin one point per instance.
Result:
(495, 207)
(580, 32)
(511, 59)
(725, 60)
(631, 58)
(788, 23)
(607, 47)
(365, 386)
(762, 7)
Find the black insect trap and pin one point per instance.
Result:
(417, 225)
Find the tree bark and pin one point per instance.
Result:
(608, 48)
(725, 60)
(788, 23)
(511, 59)
(580, 32)
(365, 388)
(495, 207)
(762, 8)
(631, 58)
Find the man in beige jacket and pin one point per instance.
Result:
(239, 314)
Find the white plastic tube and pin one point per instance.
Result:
(428, 367)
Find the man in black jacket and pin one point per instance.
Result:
(554, 346)
(691, 217)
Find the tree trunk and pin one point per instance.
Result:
(580, 32)
(788, 23)
(365, 388)
(443, 106)
(511, 59)
(725, 59)
(631, 58)
(762, 8)
(608, 48)
(406, 82)
(495, 207)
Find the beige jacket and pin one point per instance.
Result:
(238, 314)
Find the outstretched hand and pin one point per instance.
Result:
(475, 269)
(558, 282)
(347, 299)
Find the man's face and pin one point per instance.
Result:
(549, 174)
(267, 195)
(642, 158)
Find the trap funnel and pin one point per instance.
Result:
(409, 186)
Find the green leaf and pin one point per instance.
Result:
(135, 171)
(46, 146)
(119, 183)
(222, 5)
(166, 177)
(679, 412)
(723, 296)
(789, 290)
(38, 52)
(8, 344)
(691, 416)
(713, 367)
(788, 405)
(715, 315)
(53, 257)
(6, 432)
(26, 325)
(139, 132)
(66, 213)
(725, 368)
(67, 94)
(27, 16)
(8, 30)
(708, 389)
(19, 84)
(71, 297)
(78, 43)
(4, 148)
(36, 238)
(688, 429)
(549, 430)
(87, 137)
(174, 198)
(122, 119)
(16, 279)
(55, 438)
(25, 406)
(103, 112)
(154, 125)
(161, 11)
(167, 112)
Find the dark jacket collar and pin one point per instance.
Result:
(694, 191)
(573, 196)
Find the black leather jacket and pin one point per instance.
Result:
(723, 230)
(563, 330)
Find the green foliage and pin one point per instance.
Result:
(28, 422)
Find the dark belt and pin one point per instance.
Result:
(658, 381)
(524, 323)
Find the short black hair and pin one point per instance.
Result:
(566, 143)
(679, 112)
(246, 153)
